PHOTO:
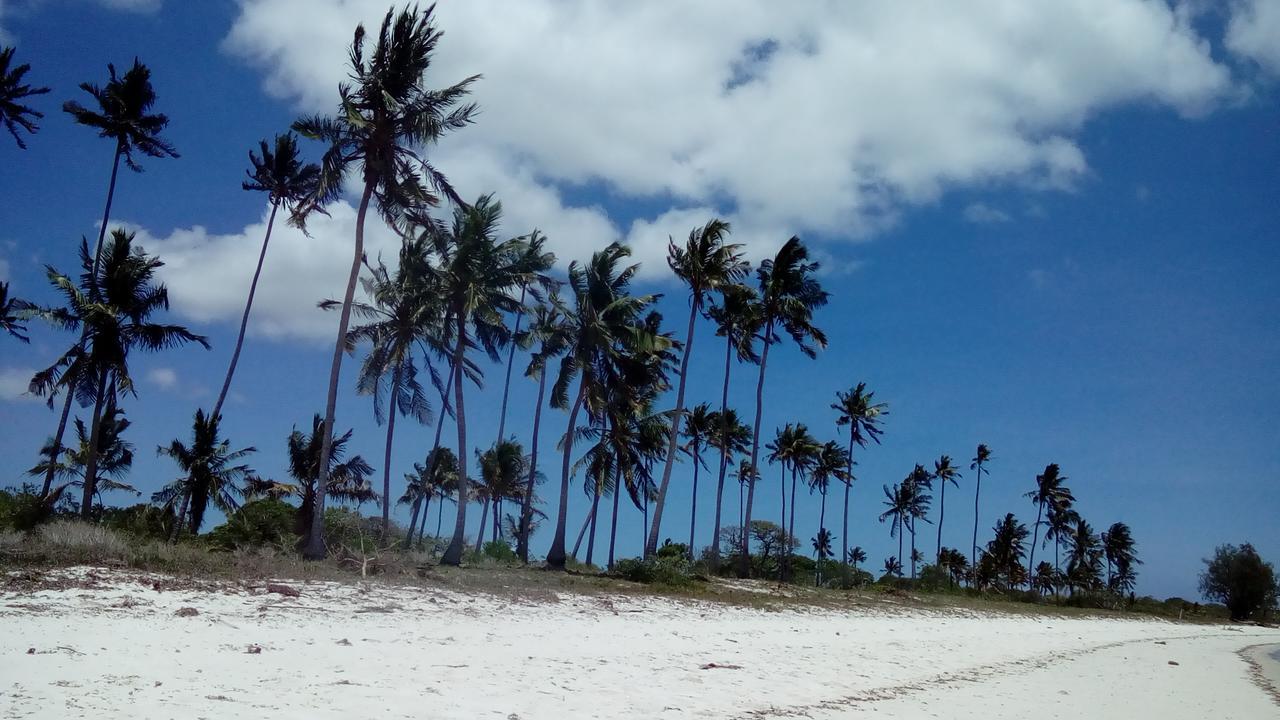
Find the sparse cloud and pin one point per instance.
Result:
(163, 378)
(1254, 32)
(13, 384)
(983, 214)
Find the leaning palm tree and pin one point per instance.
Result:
(859, 410)
(549, 331)
(14, 115)
(1049, 489)
(13, 314)
(114, 303)
(606, 320)
(705, 263)
(287, 181)
(789, 293)
(386, 117)
(209, 469)
(1060, 517)
(734, 316)
(978, 465)
(697, 434)
(474, 278)
(943, 472)
(123, 114)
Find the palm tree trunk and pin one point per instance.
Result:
(426, 509)
(651, 545)
(791, 522)
(439, 516)
(942, 513)
(244, 319)
(484, 519)
(913, 549)
(556, 556)
(386, 456)
(91, 462)
(315, 549)
(526, 509)
(744, 565)
(901, 531)
(497, 515)
(453, 554)
(613, 525)
(693, 505)
(848, 485)
(724, 458)
(413, 522)
(822, 523)
(595, 515)
(57, 440)
(977, 492)
(180, 518)
(1035, 540)
(106, 213)
(582, 531)
(511, 358)
(782, 523)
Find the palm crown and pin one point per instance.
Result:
(123, 114)
(280, 173)
(211, 472)
(13, 114)
(858, 410)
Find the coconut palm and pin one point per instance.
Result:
(386, 118)
(697, 434)
(704, 263)
(978, 466)
(892, 566)
(859, 410)
(856, 555)
(210, 472)
(113, 304)
(534, 263)
(13, 114)
(347, 480)
(795, 449)
(474, 277)
(1005, 552)
(1060, 517)
(735, 319)
(605, 321)
(897, 510)
(830, 463)
(548, 332)
(439, 479)
(746, 473)
(943, 472)
(1084, 562)
(1045, 579)
(789, 293)
(113, 457)
(13, 314)
(123, 114)
(1119, 549)
(731, 437)
(822, 548)
(916, 499)
(287, 181)
(1050, 488)
(504, 469)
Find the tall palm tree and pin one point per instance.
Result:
(403, 313)
(943, 472)
(114, 303)
(795, 449)
(705, 263)
(1084, 562)
(1061, 516)
(916, 498)
(830, 463)
(789, 293)
(1050, 488)
(697, 434)
(287, 181)
(14, 114)
(734, 316)
(114, 457)
(1120, 551)
(606, 320)
(978, 465)
(549, 331)
(13, 314)
(856, 555)
(897, 510)
(386, 117)
(859, 410)
(123, 114)
(503, 471)
(731, 437)
(347, 480)
(209, 472)
(1006, 550)
(534, 263)
(475, 275)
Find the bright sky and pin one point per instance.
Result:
(1046, 226)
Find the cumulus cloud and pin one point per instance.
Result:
(983, 214)
(163, 378)
(13, 384)
(1254, 32)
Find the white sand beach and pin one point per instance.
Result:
(120, 648)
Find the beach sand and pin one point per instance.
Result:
(119, 648)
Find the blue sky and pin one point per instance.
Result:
(1050, 230)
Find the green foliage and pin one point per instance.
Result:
(671, 570)
(21, 509)
(673, 550)
(256, 524)
(145, 522)
(500, 551)
(1240, 579)
(347, 528)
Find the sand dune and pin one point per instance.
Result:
(121, 648)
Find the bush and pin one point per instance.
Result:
(1240, 579)
(500, 551)
(261, 523)
(145, 522)
(22, 509)
(671, 550)
(348, 528)
(671, 570)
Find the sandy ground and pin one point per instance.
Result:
(120, 649)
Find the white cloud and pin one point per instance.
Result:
(1254, 32)
(981, 213)
(163, 378)
(13, 384)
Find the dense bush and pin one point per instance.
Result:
(257, 524)
(500, 551)
(146, 522)
(671, 570)
(1241, 580)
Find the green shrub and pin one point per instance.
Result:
(669, 549)
(347, 528)
(500, 551)
(22, 510)
(671, 570)
(261, 523)
(145, 522)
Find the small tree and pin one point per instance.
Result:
(1240, 579)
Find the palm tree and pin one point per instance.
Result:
(474, 278)
(534, 262)
(978, 465)
(697, 434)
(605, 320)
(1119, 549)
(403, 313)
(1060, 518)
(346, 480)
(386, 117)
(944, 472)
(113, 458)
(1049, 489)
(114, 303)
(892, 566)
(705, 263)
(1006, 551)
(1045, 579)
(438, 478)
(794, 448)
(746, 473)
(822, 548)
(209, 472)
(856, 555)
(916, 501)
(287, 181)
(859, 410)
(1084, 563)
(123, 115)
(734, 317)
(789, 293)
(504, 470)
(830, 463)
(897, 509)
(13, 114)
(13, 314)
(549, 330)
